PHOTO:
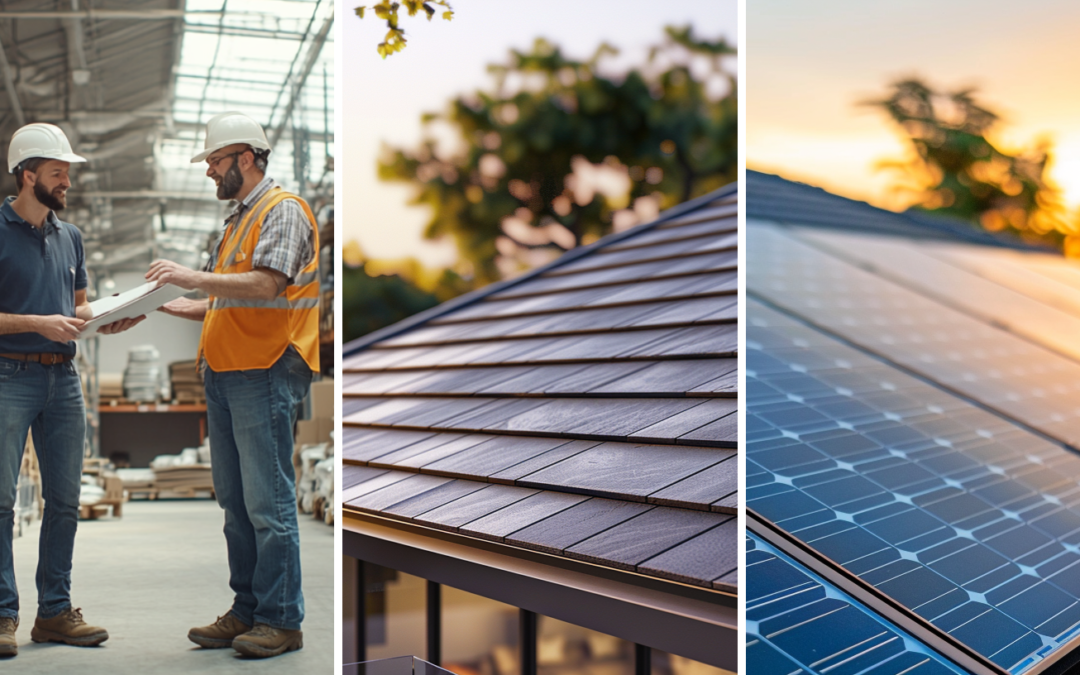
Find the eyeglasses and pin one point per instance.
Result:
(212, 163)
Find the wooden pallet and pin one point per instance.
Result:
(99, 509)
(152, 493)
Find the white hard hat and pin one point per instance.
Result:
(229, 128)
(39, 140)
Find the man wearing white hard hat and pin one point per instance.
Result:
(42, 308)
(259, 348)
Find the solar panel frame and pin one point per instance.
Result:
(765, 354)
(761, 545)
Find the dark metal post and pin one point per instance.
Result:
(642, 660)
(434, 623)
(361, 612)
(528, 642)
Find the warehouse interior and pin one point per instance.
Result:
(132, 84)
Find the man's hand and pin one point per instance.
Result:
(120, 326)
(58, 328)
(186, 308)
(168, 272)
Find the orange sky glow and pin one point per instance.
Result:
(810, 64)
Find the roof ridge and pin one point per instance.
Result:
(954, 227)
(573, 254)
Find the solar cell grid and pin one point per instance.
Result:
(910, 265)
(1025, 273)
(1015, 376)
(799, 623)
(969, 521)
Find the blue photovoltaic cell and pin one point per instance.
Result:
(968, 520)
(1018, 377)
(796, 622)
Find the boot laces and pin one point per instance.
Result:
(263, 630)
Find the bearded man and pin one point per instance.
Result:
(43, 307)
(259, 348)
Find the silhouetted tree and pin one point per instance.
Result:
(957, 171)
(370, 302)
(536, 150)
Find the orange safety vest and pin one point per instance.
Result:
(250, 334)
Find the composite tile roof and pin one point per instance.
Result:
(587, 410)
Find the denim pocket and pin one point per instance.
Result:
(9, 369)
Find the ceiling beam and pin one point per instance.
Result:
(9, 85)
(312, 57)
(148, 194)
(102, 14)
(76, 53)
(240, 31)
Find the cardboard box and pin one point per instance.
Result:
(322, 399)
(326, 427)
(307, 431)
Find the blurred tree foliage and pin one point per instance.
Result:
(529, 147)
(369, 302)
(389, 11)
(956, 170)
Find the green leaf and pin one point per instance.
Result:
(447, 15)
(360, 11)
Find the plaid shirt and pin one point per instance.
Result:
(286, 241)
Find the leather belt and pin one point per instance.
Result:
(44, 358)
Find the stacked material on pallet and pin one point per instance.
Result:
(136, 478)
(324, 488)
(91, 491)
(187, 386)
(142, 377)
(101, 492)
(28, 502)
(305, 459)
(184, 479)
(110, 388)
(186, 473)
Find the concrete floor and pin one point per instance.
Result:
(150, 576)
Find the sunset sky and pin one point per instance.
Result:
(384, 99)
(809, 64)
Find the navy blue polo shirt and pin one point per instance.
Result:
(40, 270)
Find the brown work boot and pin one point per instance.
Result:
(262, 641)
(220, 633)
(8, 645)
(69, 628)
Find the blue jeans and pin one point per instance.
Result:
(250, 415)
(48, 401)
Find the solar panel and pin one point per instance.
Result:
(911, 264)
(963, 519)
(797, 622)
(1017, 377)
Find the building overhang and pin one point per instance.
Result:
(693, 622)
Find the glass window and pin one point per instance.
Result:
(479, 636)
(673, 664)
(566, 649)
(396, 613)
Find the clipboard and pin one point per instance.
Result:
(128, 305)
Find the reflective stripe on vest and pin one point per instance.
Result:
(251, 334)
